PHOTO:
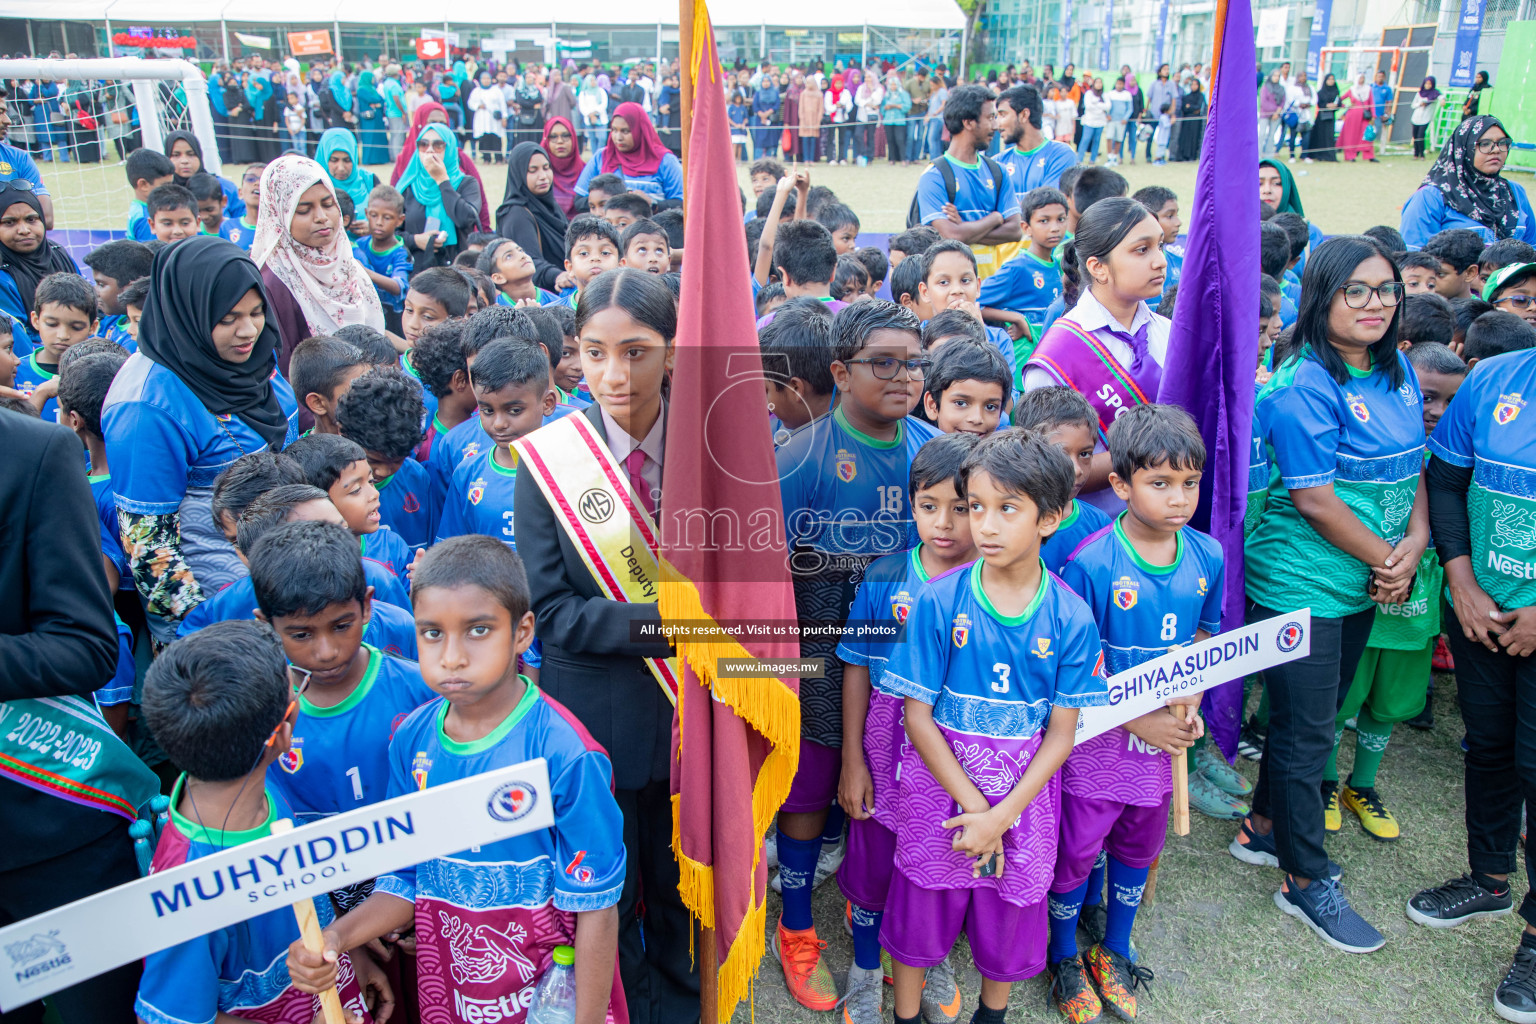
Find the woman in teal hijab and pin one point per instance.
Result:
(370, 120)
(258, 92)
(337, 152)
(437, 189)
(336, 102)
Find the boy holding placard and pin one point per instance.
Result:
(221, 705)
(1152, 585)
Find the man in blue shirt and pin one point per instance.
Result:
(16, 164)
(1381, 95)
(984, 210)
(1031, 159)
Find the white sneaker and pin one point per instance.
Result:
(771, 849)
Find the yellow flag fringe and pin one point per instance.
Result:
(772, 709)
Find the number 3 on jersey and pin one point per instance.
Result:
(1000, 684)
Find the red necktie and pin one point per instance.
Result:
(633, 463)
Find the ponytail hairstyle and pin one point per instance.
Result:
(1328, 269)
(1102, 227)
(1071, 276)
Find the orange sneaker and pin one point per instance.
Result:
(1117, 980)
(1072, 992)
(805, 973)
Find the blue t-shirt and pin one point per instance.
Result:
(391, 628)
(16, 164)
(407, 504)
(1174, 254)
(1038, 167)
(29, 376)
(111, 539)
(386, 547)
(891, 584)
(976, 192)
(1366, 438)
(665, 183)
(241, 970)
(479, 499)
(466, 441)
(162, 441)
(119, 689)
(339, 760)
(394, 262)
(1487, 429)
(115, 329)
(1143, 610)
(990, 674)
(1080, 521)
(428, 399)
(1426, 215)
(138, 222)
(845, 492)
(1025, 284)
(528, 887)
(238, 231)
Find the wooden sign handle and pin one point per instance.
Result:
(1181, 783)
(314, 941)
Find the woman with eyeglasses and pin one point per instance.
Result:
(1480, 478)
(1466, 189)
(1344, 529)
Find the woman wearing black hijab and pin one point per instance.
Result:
(26, 257)
(202, 391)
(530, 216)
(1322, 144)
(185, 152)
(1191, 123)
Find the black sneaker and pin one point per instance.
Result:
(1424, 719)
(1250, 742)
(1456, 902)
(1323, 907)
(1515, 998)
(1250, 847)
(1093, 920)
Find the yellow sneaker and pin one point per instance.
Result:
(805, 972)
(1377, 821)
(1332, 819)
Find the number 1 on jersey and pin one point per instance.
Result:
(357, 782)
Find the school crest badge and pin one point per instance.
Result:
(476, 491)
(960, 630)
(293, 760)
(847, 468)
(1508, 408)
(420, 765)
(1125, 592)
(901, 604)
(577, 870)
(1042, 647)
(1039, 280)
(1201, 587)
(1358, 407)
(471, 450)
(5, 167)
(234, 235)
(410, 505)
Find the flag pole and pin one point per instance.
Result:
(709, 957)
(314, 941)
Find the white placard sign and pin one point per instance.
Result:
(1189, 670)
(1272, 25)
(49, 952)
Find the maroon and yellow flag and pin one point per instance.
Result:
(723, 561)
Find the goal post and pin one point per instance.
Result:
(144, 75)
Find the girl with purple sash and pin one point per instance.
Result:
(1110, 346)
(994, 662)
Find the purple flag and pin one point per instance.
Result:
(1214, 350)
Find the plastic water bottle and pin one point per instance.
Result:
(554, 1001)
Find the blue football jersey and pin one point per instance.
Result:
(1041, 166)
(1144, 610)
(1080, 521)
(29, 376)
(339, 759)
(479, 499)
(1024, 284)
(891, 584)
(238, 231)
(111, 539)
(386, 547)
(406, 504)
(428, 399)
(990, 674)
(392, 629)
(845, 492)
(238, 601)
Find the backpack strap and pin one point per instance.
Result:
(951, 186)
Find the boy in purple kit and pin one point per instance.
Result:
(872, 729)
(1151, 585)
(995, 661)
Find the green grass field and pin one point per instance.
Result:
(1339, 198)
(1221, 951)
